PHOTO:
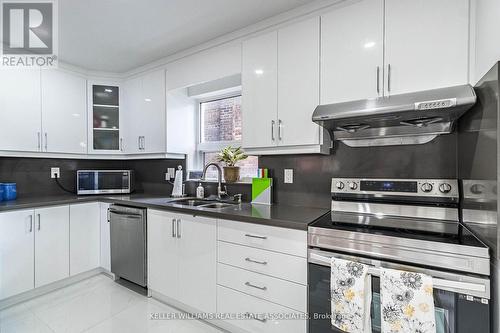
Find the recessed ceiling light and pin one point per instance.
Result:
(108, 90)
(369, 45)
(147, 99)
(259, 71)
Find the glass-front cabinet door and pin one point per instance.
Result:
(105, 118)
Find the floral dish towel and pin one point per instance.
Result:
(350, 289)
(407, 302)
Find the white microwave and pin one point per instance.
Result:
(104, 181)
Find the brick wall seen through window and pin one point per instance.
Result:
(220, 121)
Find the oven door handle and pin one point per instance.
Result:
(480, 289)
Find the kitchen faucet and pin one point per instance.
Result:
(220, 192)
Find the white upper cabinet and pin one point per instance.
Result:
(132, 93)
(260, 91)
(104, 117)
(145, 113)
(298, 83)
(426, 44)
(154, 112)
(352, 50)
(20, 110)
(64, 112)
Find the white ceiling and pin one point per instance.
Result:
(120, 35)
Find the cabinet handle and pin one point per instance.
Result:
(254, 286)
(39, 223)
(178, 228)
(46, 141)
(272, 129)
(248, 314)
(109, 216)
(378, 80)
(139, 143)
(121, 144)
(279, 129)
(173, 228)
(255, 236)
(256, 261)
(143, 143)
(389, 77)
(39, 141)
(31, 223)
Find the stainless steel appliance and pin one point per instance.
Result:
(413, 118)
(104, 181)
(405, 224)
(128, 243)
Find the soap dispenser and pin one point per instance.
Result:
(200, 192)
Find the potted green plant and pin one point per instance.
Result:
(230, 156)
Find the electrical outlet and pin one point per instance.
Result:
(55, 173)
(288, 176)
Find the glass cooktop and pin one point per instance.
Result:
(450, 232)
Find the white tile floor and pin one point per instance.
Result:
(94, 305)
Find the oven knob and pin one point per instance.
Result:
(340, 185)
(353, 186)
(445, 188)
(426, 187)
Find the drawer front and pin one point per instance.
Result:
(279, 265)
(279, 291)
(282, 240)
(234, 302)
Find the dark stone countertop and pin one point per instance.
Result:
(291, 217)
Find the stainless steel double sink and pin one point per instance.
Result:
(201, 204)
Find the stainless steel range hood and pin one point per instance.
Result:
(413, 118)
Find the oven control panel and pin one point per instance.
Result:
(408, 187)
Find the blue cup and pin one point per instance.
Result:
(9, 191)
(1, 192)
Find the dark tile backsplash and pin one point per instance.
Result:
(313, 173)
(32, 175)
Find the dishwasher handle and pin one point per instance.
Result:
(126, 215)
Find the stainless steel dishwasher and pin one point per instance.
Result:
(128, 243)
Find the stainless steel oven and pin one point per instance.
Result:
(410, 225)
(104, 181)
(461, 301)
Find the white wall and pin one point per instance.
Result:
(181, 125)
(205, 66)
(485, 36)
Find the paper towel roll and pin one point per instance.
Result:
(177, 191)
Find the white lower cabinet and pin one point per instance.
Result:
(105, 251)
(262, 270)
(45, 245)
(51, 244)
(84, 235)
(163, 262)
(17, 261)
(285, 319)
(289, 294)
(182, 258)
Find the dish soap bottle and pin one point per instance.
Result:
(200, 192)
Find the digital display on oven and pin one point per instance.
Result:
(388, 186)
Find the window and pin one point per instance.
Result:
(221, 120)
(248, 167)
(220, 126)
